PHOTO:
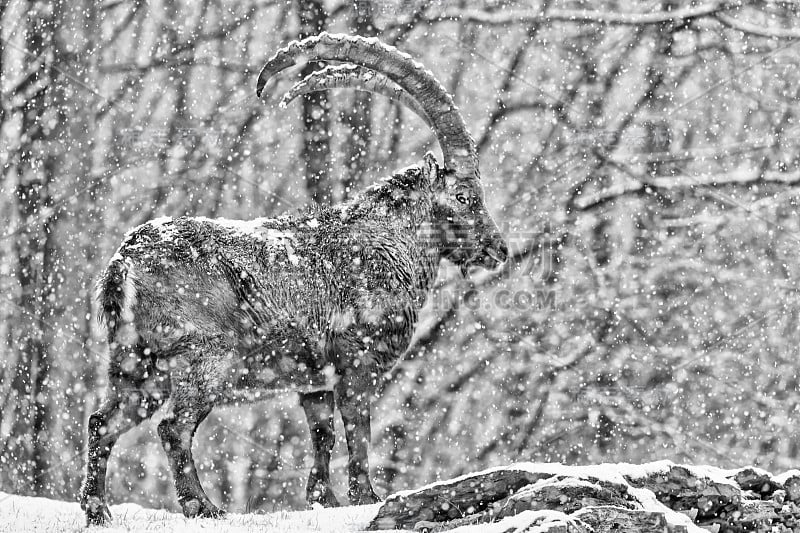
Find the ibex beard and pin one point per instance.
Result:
(204, 312)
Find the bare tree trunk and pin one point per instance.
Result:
(358, 118)
(316, 149)
(4, 255)
(3, 7)
(37, 272)
(84, 127)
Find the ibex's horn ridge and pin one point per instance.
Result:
(457, 145)
(354, 77)
(283, 59)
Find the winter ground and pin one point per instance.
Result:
(26, 514)
(22, 514)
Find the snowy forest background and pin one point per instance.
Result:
(643, 159)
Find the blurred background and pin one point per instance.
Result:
(642, 157)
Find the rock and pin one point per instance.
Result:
(655, 497)
(755, 479)
(453, 499)
(687, 487)
(609, 518)
(567, 495)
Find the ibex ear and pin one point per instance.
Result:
(430, 171)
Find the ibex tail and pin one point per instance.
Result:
(116, 293)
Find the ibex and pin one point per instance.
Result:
(206, 312)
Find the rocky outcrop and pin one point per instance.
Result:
(553, 498)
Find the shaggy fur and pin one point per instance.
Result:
(207, 312)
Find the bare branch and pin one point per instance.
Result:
(173, 57)
(585, 15)
(755, 29)
(715, 10)
(654, 185)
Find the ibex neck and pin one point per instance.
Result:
(403, 205)
(423, 237)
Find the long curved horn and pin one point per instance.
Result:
(354, 77)
(458, 148)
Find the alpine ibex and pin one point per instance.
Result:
(207, 312)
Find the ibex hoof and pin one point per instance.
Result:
(195, 508)
(364, 498)
(96, 511)
(322, 496)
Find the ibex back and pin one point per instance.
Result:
(206, 312)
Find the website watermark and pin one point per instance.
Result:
(527, 286)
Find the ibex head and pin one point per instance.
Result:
(468, 235)
(468, 232)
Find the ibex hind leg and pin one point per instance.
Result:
(176, 432)
(130, 399)
(192, 401)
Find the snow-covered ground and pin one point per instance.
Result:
(23, 514)
(20, 514)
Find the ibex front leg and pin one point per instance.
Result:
(353, 397)
(319, 412)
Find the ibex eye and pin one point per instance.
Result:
(461, 198)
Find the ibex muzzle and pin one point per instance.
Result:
(205, 312)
